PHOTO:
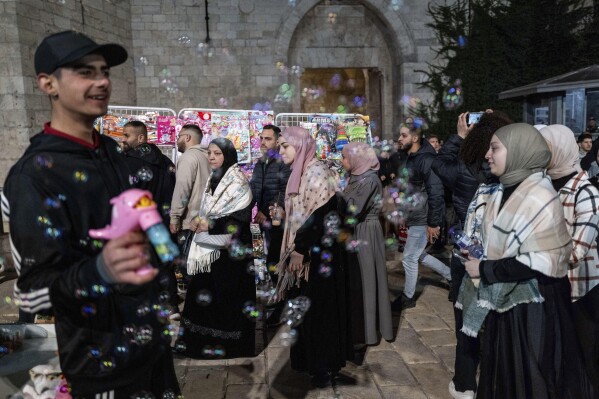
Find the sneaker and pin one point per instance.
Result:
(175, 316)
(402, 302)
(459, 395)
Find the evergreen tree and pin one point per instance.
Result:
(507, 44)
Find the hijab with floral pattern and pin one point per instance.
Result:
(311, 185)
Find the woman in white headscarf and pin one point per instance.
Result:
(215, 320)
(580, 200)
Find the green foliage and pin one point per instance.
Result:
(488, 46)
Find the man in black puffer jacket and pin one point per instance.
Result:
(269, 181)
(425, 219)
(151, 170)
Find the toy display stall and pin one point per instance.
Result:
(161, 124)
(242, 127)
(331, 131)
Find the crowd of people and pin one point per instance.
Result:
(525, 311)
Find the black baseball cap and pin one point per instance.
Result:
(63, 48)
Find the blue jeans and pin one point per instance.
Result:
(414, 252)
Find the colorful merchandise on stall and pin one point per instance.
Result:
(241, 127)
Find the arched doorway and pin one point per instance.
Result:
(352, 39)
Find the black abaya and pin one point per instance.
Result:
(213, 319)
(324, 341)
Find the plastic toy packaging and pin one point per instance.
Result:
(134, 209)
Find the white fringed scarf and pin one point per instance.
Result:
(232, 194)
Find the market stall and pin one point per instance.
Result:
(331, 131)
(161, 123)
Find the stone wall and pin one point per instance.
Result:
(23, 108)
(249, 37)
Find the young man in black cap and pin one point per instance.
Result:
(110, 323)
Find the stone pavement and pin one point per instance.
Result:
(417, 365)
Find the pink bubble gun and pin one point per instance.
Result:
(134, 209)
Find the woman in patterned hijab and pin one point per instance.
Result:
(310, 270)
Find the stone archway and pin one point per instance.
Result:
(362, 36)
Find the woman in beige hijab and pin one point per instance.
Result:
(520, 289)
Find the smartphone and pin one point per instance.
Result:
(474, 117)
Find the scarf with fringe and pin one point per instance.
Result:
(530, 227)
(232, 194)
(317, 185)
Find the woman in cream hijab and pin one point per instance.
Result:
(520, 289)
(580, 200)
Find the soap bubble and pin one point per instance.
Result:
(43, 162)
(163, 297)
(129, 331)
(121, 349)
(353, 245)
(143, 395)
(144, 174)
(180, 346)
(453, 96)
(52, 232)
(52, 203)
(99, 290)
(327, 241)
(204, 297)
(168, 331)
(107, 363)
(43, 221)
(169, 394)
(80, 176)
(213, 352)
(143, 61)
(184, 40)
(143, 335)
(295, 310)
(288, 338)
(143, 310)
(94, 352)
(251, 311)
(325, 270)
(88, 309)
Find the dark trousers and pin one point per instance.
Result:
(160, 381)
(467, 349)
(274, 240)
(586, 320)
